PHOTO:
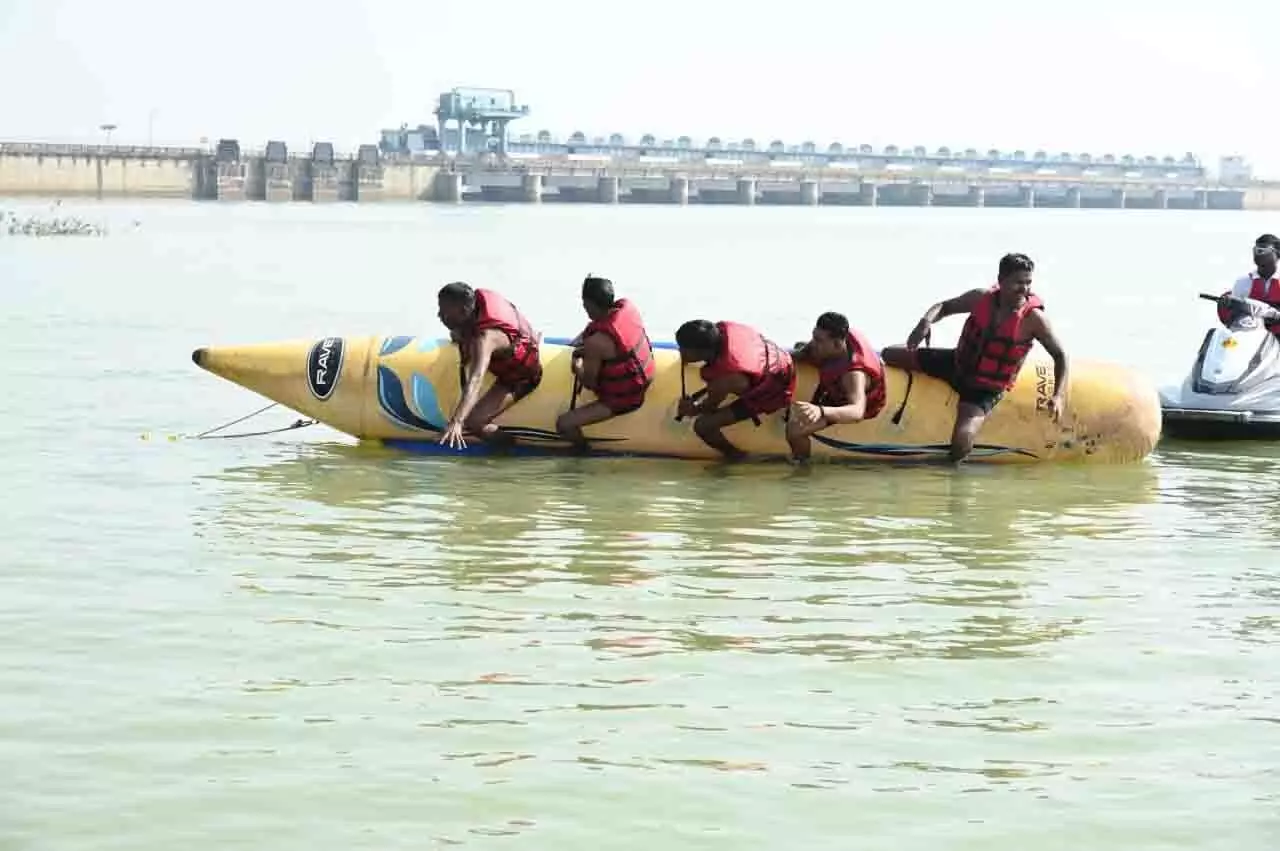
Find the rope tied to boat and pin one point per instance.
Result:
(210, 434)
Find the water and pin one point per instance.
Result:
(292, 642)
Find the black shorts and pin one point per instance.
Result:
(941, 364)
(742, 411)
(773, 394)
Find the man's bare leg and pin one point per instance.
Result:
(969, 420)
(571, 423)
(708, 427)
(799, 438)
(491, 404)
(901, 357)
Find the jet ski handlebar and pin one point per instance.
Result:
(1257, 309)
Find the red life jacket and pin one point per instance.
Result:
(1268, 291)
(522, 363)
(990, 357)
(1264, 290)
(623, 380)
(770, 371)
(862, 357)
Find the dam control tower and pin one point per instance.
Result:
(481, 116)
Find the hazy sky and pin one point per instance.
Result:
(1102, 77)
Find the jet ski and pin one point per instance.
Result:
(1233, 390)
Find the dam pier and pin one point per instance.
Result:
(468, 155)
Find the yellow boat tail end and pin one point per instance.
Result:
(402, 390)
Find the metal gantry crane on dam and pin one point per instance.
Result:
(481, 116)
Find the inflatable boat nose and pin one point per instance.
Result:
(323, 378)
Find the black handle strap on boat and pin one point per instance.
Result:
(577, 389)
(698, 394)
(902, 409)
(684, 392)
(911, 377)
(576, 344)
(462, 368)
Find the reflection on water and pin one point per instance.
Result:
(839, 564)
(881, 633)
(545, 600)
(1229, 482)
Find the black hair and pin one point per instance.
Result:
(698, 335)
(1268, 239)
(835, 324)
(458, 293)
(1013, 263)
(598, 291)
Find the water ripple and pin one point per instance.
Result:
(341, 646)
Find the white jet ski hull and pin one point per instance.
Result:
(1184, 420)
(1233, 389)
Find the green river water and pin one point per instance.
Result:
(290, 642)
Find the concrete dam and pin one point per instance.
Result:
(224, 172)
(221, 173)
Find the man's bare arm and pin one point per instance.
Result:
(482, 349)
(962, 303)
(1042, 331)
(855, 389)
(595, 350)
(719, 388)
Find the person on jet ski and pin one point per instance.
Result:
(1261, 285)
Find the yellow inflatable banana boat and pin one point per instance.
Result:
(401, 390)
